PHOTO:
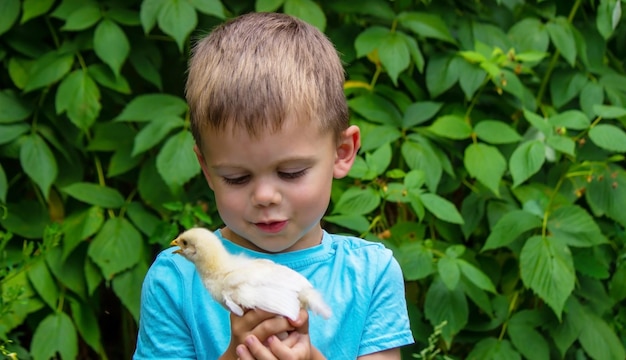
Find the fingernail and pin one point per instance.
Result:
(239, 350)
(271, 339)
(250, 340)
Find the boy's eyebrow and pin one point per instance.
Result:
(296, 160)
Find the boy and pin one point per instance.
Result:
(270, 122)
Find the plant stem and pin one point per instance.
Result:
(555, 58)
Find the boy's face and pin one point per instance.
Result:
(272, 190)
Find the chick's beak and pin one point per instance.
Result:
(175, 243)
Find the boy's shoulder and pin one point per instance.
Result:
(354, 245)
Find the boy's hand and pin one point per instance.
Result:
(297, 346)
(258, 324)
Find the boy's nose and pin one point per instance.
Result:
(266, 194)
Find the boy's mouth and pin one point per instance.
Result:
(271, 227)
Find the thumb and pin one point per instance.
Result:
(301, 324)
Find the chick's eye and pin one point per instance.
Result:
(292, 175)
(236, 181)
(184, 242)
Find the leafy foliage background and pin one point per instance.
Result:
(492, 165)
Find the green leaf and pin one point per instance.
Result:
(486, 164)
(109, 136)
(151, 134)
(150, 106)
(176, 162)
(575, 226)
(4, 185)
(608, 17)
(111, 44)
(9, 12)
(415, 260)
(526, 160)
(177, 19)
(420, 156)
(87, 325)
(449, 272)
(511, 225)
(379, 160)
(358, 223)
(414, 50)
(493, 349)
(117, 247)
(379, 135)
(145, 220)
(267, 5)
(608, 111)
(451, 306)
(125, 286)
(375, 108)
(122, 161)
(55, 334)
(563, 144)
(95, 194)
(547, 267)
(442, 208)
(609, 137)
(93, 275)
(80, 225)
(149, 12)
(526, 339)
(599, 340)
(529, 34)
(64, 269)
(451, 127)
(13, 107)
(563, 38)
(496, 132)
(79, 95)
(357, 201)
(606, 194)
(210, 7)
(42, 280)
(475, 276)
(8, 133)
(591, 95)
(420, 112)
(33, 8)
(441, 74)
(565, 86)
(38, 162)
(538, 122)
(306, 10)
(570, 119)
(370, 39)
(394, 55)
(124, 16)
(103, 75)
(471, 77)
(426, 25)
(617, 285)
(147, 61)
(48, 69)
(83, 18)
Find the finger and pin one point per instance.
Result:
(243, 353)
(258, 350)
(271, 326)
(296, 346)
(301, 324)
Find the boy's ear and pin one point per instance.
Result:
(347, 150)
(203, 165)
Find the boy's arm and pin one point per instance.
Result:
(391, 354)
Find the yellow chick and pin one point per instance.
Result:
(239, 282)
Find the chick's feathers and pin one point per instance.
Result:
(239, 282)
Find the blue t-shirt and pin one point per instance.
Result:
(360, 281)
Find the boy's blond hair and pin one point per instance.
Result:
(256, 70)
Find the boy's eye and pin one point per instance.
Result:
(292, 175)
(236, 181)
